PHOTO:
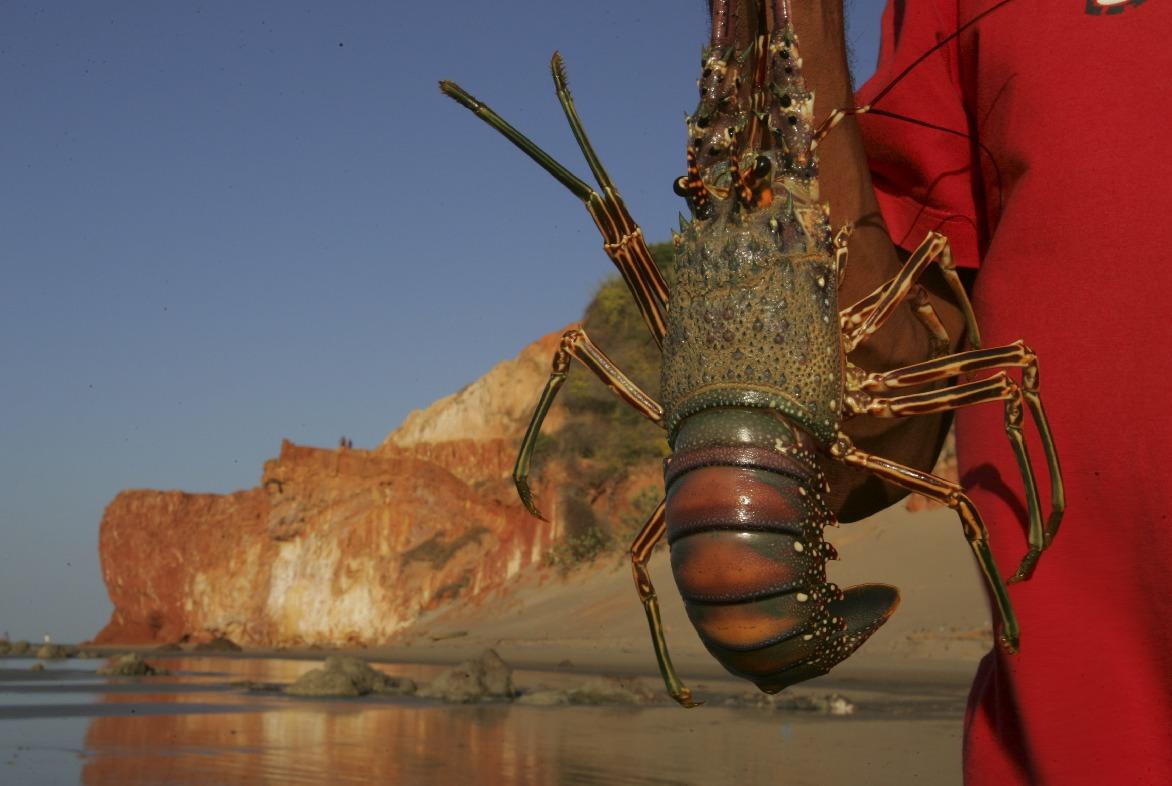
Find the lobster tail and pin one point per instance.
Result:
(747, 553)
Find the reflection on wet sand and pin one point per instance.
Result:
(196, 728)
(380, 742)
(294, 741)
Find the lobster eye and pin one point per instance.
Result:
(762, 166)
(680, 186)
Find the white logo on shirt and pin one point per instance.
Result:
(1102, 7)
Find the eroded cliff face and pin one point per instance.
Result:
(169, 558)
(337, 546)
(496, 406)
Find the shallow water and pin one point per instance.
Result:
(67, 725)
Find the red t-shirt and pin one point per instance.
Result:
(1069, 216)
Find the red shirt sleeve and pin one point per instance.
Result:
(925, 178)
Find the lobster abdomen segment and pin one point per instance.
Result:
(726, 566)
(747, 553)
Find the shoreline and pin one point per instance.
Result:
(908, 682)
(256, 677)
(221, 717)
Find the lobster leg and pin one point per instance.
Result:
(995, 388)
(624, 243)
(576, 344)
(841, 239)
(921, 306)
(622, 238)
(923, 310)
(952, 495)
(640, 551)
(866, 316)
(938, 334)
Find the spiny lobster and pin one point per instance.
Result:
(756, 382)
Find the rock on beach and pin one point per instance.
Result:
(344, 675)
(55, 651)
(485, 678)
(218, 644)
(130, 665)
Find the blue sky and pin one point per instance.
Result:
(223, 224)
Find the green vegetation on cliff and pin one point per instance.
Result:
(603, 438)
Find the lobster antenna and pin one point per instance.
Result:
(562, 85)
(547, 162)
(838, 115)
(730, 17)
(786, 15)
(933, 126)
(944, 42)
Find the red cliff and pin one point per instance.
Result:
(336, 546)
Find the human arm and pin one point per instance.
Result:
(845, 183)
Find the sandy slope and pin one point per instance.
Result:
(593, 618)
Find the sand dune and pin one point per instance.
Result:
(592, 617)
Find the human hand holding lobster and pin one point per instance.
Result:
(845, 183)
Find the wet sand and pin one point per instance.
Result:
(68, 725)
(907, 687)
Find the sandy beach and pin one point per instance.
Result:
(203, 725)
(890, 715)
